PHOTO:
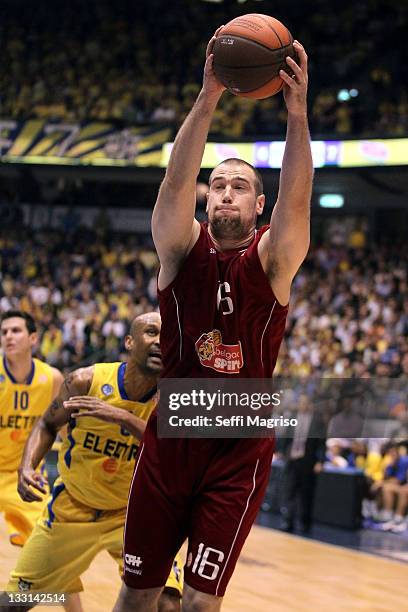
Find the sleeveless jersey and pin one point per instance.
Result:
(20, 406)
(219, 315)
(96, 459)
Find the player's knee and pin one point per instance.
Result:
(136, 599)
(169, 602)
(195, 601)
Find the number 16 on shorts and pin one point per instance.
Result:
(205, 567)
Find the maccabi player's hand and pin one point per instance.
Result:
(295, 87)
(27, 478)
(211, 85)
(86, 405)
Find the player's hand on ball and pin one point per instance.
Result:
(211, 84)
(295, 87)
(27, 478)
(86, 405)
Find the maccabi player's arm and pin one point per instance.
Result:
(285, 246)
(174, 228)
(87, 405)
(45, 431)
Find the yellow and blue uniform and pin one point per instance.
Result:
(87, 508)
(20, 407)
(96, 459)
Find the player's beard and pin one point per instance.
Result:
(227, 227)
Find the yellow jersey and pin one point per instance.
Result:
(96, 459)
(20, 406)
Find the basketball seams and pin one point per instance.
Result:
(274, 31)
(249, 67)
(254, 42)
(245, 24)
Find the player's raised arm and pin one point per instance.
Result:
(45, 431)
(174, 228)
(285, 246)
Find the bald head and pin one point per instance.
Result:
(143, 343)
(139, 322)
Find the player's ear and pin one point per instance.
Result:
(129, 342)
(260, 203)
(207, 195)
(33, 338)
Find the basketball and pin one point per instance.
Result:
(248, 54)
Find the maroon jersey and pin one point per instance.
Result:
(219, 315)
(219, 318)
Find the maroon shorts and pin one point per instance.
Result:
(208, 491)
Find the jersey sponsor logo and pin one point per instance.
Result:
(17, 421)
(2, 378)
(110, 466)
(43, 378)
(109, 447)
(107, 389)
(214, 354)
(16, 435)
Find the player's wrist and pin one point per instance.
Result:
(208, 98)
(298, 115)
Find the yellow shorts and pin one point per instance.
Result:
(65, 540)
(20, 516)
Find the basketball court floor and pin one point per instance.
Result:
(277, 572)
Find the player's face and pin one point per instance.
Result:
(15, 337)
(232, 203)
(144, 344)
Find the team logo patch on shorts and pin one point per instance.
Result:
(107, 389)
(24, 585)
(225, 358)
(133, 563)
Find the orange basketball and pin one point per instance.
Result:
(249, 52)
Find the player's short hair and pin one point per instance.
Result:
(30, 323)
(258, 182)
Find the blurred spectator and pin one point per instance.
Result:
(334, 454)
(394, 491)
(304, 454)
(355, 323)
(347, 423)
(137, 63)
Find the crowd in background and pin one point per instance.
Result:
(348, 314)
(137, 63)
(348, 319)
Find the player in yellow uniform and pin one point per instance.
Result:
(27, 387)
(107, 406)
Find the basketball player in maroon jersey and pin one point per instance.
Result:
(223, 290)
